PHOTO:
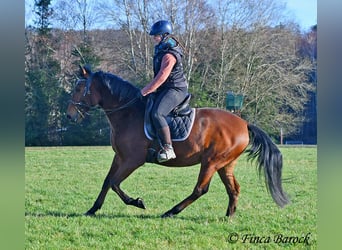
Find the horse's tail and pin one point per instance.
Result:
(269, 160)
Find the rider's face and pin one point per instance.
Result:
(157, 39)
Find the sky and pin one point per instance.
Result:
(303, 11)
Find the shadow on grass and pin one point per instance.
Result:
(52, 214)
(98, 216)
(121, 215)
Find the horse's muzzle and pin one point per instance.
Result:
(75, 118)
(74, 114)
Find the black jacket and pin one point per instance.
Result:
(176, 77)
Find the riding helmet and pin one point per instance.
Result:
(160, 28)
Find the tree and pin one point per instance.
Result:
(132, 48)
(252, 57)
(41, 80)
(81, 15)
(43, 12)
(307, 49)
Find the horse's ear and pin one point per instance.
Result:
(85, 71)
(82, 71)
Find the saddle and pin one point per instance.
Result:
(180, 120)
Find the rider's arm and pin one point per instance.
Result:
(167, 64)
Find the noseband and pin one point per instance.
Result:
(79, 108)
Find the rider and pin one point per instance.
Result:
(169, 83)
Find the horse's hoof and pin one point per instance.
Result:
(90, 214)
(167, 215)
(231, 212)
(140, 203)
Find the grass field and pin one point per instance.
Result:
(63, 182)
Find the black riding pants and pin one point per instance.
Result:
(165, 101)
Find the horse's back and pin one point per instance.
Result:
(221, 118)
(213, 124)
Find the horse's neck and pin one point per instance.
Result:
(109, 101)
(116, 94)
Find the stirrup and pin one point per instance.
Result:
(166, 153)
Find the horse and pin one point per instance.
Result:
(216, 140)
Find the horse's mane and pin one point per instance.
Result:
(121, 89)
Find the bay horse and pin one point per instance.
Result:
(216, 141)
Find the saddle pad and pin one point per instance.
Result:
(180, 126)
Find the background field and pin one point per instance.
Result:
(63, 182)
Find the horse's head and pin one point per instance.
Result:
(110, 92)
(81, 99)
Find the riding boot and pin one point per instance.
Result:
(166, 153)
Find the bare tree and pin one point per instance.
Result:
(76, 15)
(256, 58)
(132, 17)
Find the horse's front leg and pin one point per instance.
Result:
(119, 171)
(124, 170)
(105, 187)
(138, 202)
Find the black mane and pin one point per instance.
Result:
(121, 89)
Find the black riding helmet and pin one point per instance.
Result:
(161, 28)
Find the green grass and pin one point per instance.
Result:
(63, 182)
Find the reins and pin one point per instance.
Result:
(107, 111)
(126, 105)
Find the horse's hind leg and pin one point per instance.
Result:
(201, 188)
(232, 186)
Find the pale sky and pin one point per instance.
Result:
(304, 12)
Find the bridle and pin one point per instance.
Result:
(79, 106)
